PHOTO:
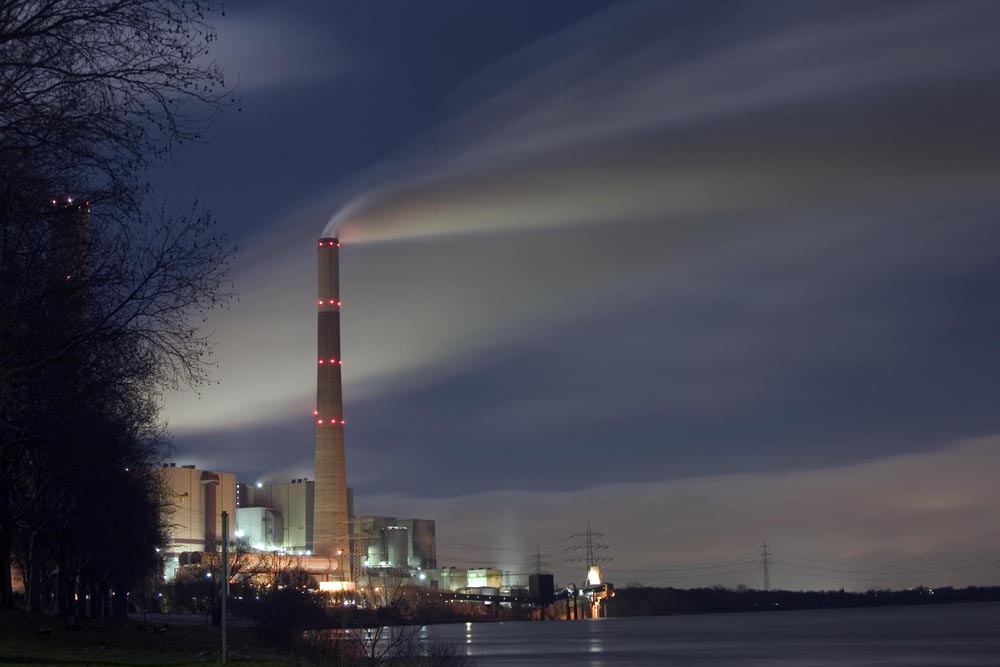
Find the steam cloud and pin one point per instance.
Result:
(748, 112)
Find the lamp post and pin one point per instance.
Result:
(224, 571)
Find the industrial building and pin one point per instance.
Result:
(280, 517)
(421, 543)
(385, 542)
(465, 580)
(277, 516)
(196, 500)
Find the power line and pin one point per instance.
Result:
(463, 545)
(872, 576)
(540, 564)
(705, 575)
(895, 563)
(836, 576)
(719, 566)
(981, 564)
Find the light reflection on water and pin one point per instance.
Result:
(961, 635)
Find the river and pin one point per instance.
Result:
(953, 635)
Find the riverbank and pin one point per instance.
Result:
(45, 640)
(653, 601)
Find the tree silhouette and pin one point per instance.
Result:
(101, 295)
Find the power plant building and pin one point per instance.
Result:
(196, 500)
(313, 519)
(385, 542)
(262, 528)
(277, 516)
(421, 543)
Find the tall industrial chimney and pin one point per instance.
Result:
(330, 520)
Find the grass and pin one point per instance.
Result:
(121, 643)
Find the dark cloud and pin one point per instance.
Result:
(899, 521)
(763, 351)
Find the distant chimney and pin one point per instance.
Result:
(330, 533)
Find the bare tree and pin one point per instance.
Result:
(93, 89)
(377, 633)
(381, 634)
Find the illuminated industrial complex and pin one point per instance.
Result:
(313, 520)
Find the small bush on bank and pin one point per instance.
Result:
(398, 647)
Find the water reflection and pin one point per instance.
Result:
(962, 634)
(595, 646)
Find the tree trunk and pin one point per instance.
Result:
(31, 577)
(6, 590)
(120, 602)
(99, 601)
(65, 592)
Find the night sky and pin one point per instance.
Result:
(703, 273)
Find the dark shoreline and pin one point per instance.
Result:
(637, 602)
(652, 601)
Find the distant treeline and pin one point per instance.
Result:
(648, 601)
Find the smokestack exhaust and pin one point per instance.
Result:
(330, 528)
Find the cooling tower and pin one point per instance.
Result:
(330, 521)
